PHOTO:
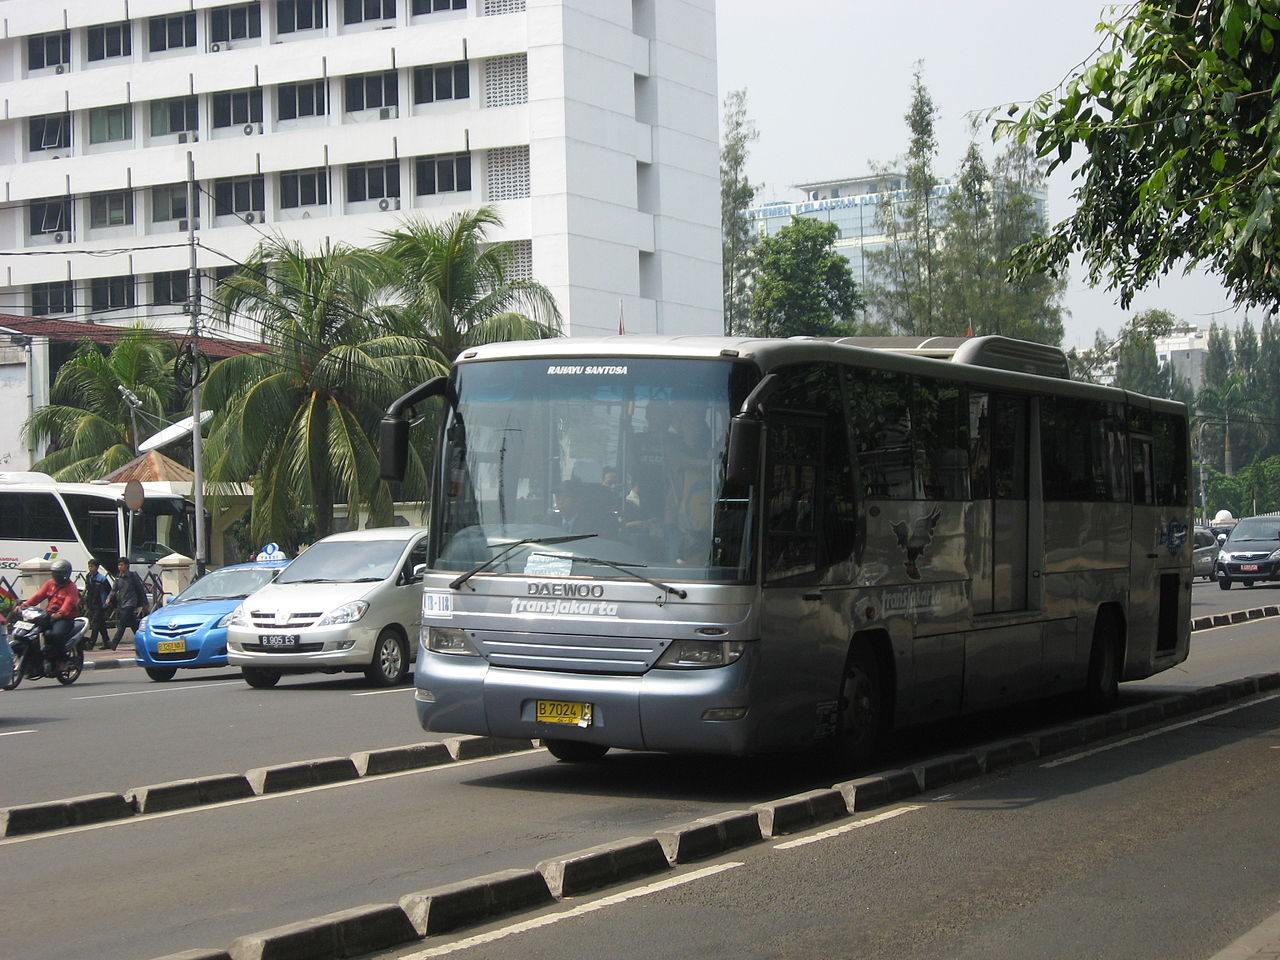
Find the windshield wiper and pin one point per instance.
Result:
(508, 548)
(625, 568)
(312, 580)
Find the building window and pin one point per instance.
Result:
(372, 181)
(293, 15)
(111, 293)
(304, 188)
(173, 32)
(174, 116)
(169, 287)
(236, 107)
(240, 22)
(302, 100)
(449, 81)
(56, 297)
(49, 50)
(362, 11)
(238, 195)
(110, 40)
(111, 124)
(113, 209)
(447, 173)
(431, 6)
(371, 90)
(50, 216)
(51, 132)
(169, 202)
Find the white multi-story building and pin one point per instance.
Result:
(1185, 349)
(591, 125)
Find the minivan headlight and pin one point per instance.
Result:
(347, 613)
(236, 618)
(699, 654)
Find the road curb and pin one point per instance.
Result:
(306, 773)
(472, 902)
(347, 933)
(413, 756)
(178, 794)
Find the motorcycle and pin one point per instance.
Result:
(31, 660)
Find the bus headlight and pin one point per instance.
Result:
(450, 640)
(698, 654)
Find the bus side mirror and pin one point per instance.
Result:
(393, 448)
(744, 450)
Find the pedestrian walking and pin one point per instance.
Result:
(97, 595)
(128, 597)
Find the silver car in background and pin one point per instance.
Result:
(1204, 553)
(351, 602)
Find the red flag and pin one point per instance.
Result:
(968, 331)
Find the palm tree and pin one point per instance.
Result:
(456, 291)
(1228, 405)
(297, 419)
(90, 426)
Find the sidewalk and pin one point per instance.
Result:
(122, 656)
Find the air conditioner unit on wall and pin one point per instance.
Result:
(255, 216)
(388, 113)
(251, 128)
(188, 136)
(61, 68)
(59, 237)
(220, 46)
(389, 203)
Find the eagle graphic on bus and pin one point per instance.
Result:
(914, 537)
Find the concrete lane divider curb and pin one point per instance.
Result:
(306, 773)
(1007, 753)
(603, 865)
(800, 811)
(198, 954)
(60, 814)
(943, 770)
(469, 748)
(178, 794)
(445, 908)
(710, 836)
(347, 933)
(881, 789)
(413, 756)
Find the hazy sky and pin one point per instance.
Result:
(828, 83)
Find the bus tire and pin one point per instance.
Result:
(576, 751)
(1102, 687)
(161, 674)
(260, 678)
(860, 710)
(390, 663)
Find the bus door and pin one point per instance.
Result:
(1000, 568)
(1159, 583)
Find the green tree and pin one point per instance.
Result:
(1102, 361)
(1268, 375)
(454, 289)
(1219, 360)
(296, 421)
(1227, 410)
(803, 286)
(901, 275)
(90, 425)
(1177, 120)
(989, 213)
(736, 195)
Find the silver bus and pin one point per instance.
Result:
(741, 546)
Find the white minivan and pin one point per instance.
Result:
(351, 602)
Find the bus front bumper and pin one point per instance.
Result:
(678, 711)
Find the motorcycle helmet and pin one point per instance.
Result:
(61, 570)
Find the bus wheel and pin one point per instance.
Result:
(161, 674)
(260, 678)
(576, 751)
(1102, 688)
(860, 708)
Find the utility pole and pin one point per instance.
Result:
(193, 305)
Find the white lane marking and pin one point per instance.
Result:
(1155, 733)
(146, 817)
(580, 910)
(845, 828)
(160, 688)
(14, 733)
(376, 693)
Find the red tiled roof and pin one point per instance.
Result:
(104, 333)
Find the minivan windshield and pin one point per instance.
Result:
(227, 584)
(1256, 530)
(345, 561)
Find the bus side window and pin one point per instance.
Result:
(880, 416)
(1169, 466)
(941, 441)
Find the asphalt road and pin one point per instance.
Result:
(151, 886)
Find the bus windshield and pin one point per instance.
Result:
(608, 467)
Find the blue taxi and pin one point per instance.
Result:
(190, 630)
